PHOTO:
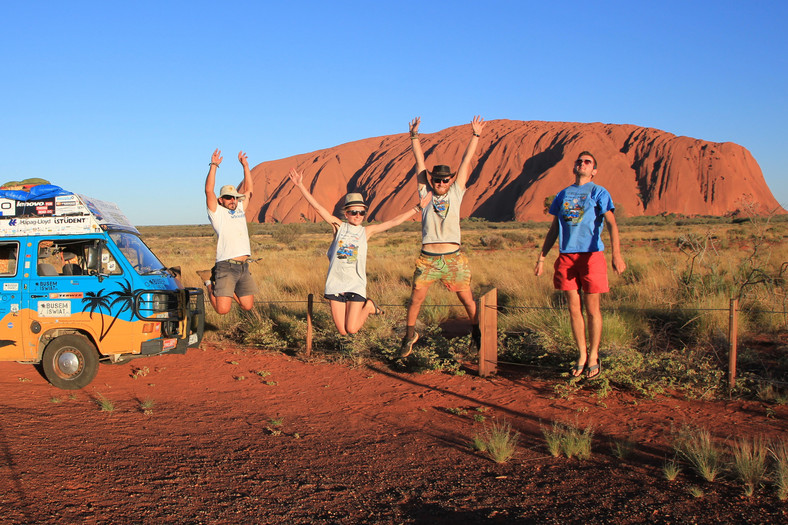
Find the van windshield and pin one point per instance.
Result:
(137, 253)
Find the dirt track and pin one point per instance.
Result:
(325, 443)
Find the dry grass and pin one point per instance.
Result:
(696, 447)
(669, 300)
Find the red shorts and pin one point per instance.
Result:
(581, 271)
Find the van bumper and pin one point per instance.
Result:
(192, 306)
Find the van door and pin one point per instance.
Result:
(11, 301)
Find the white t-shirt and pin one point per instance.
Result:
(230, 227)
(347, 269)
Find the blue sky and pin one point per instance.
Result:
(125, 101)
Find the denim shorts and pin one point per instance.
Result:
(231, 278)
(346, 297)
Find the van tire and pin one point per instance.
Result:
(70, 362)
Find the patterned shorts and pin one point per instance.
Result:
(452, 269)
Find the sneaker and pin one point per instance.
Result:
(205, 275)
(476, 338)
(407, 345)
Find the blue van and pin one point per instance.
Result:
(79, 287)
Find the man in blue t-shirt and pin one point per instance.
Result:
(579, 212)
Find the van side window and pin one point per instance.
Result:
(9, 255)
(74, 258)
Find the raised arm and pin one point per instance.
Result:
(612, 228)
(247, 186)
(549, 240)
(418, 154)
(210, 181)
(372, 229)
(477, 125)
(298, 180)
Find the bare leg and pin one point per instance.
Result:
(466, 298)
(246, 302)
(591, 302)
(222, 305)
(338, 313)
(417, 297)
(356, 315)
(578, 325)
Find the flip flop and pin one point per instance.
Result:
(591, 369)
(576, 370)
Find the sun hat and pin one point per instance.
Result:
(441, 170)
(230, 191)
(354, 199)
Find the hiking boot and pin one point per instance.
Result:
(205, 275)
(407, 345)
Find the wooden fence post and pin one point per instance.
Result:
(309, 302)
(733, 335)
(487, 309)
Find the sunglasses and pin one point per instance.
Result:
(444, 180)
(584, 161)
(356, 212)
(228, 197)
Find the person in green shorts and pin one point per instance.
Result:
(441, 258)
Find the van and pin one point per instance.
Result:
(80, 287)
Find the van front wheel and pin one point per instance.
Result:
(70, 362)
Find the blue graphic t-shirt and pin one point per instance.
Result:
(580, 211)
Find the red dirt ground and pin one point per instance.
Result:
(355, 445)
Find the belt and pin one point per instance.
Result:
(430, 254)
(233, 261)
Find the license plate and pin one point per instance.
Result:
(192, 339)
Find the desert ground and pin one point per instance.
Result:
(237, 432)
(231, 434)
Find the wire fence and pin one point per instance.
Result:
(488, 311)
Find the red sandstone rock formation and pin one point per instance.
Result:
(519, 164)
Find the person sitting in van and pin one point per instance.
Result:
(230, 278)
(71, 264)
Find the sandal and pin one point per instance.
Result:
(377, 311)
(594, 368)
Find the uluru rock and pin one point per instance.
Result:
(517, 166)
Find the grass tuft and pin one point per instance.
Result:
(672, 469)
(622, 448)
(569, 440)
(697, 448)
(146, 405)
(498, 440)
(106, 405)
(749, 462)
(779, 453)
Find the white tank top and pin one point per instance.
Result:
(440, 218)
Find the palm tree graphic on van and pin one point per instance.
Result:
(123, 300)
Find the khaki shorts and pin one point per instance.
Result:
(230, 278)
(452, 269)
